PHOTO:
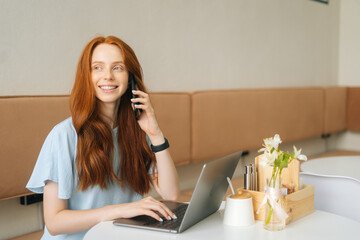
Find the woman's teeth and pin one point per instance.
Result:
(107, 87)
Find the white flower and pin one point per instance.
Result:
(268, 158)
(298, 155)
(271, 143)
(276, 141)
(302, 158)
(264, 161)
(268, 142)
(265, 149)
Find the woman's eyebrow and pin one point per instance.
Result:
(117, 62)
(121, 62)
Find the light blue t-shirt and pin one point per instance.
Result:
(56, 162)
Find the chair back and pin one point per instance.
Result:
(336, 194)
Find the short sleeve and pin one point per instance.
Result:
(55, 162)
(152, 170)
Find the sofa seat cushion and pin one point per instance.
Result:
(336, 153)
(30, 236)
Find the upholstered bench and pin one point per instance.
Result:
(30, 236)
(200, 125)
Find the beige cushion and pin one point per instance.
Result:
(226, 121)
(335, 109)
(173, 114)
(334, 153)
(353, 109)
(25, 122)
(30, 236)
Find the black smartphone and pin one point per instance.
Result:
(133, 87)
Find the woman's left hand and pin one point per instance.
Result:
(147, 120)
(167, 184)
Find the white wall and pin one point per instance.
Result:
(182, 44)
(349, 47)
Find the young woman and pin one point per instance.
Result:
(96, 165)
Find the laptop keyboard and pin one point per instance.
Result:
(169, 224)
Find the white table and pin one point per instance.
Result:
(318, 225)
(347, 166)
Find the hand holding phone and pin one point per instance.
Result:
(133, 87)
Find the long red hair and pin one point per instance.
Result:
(95, 146)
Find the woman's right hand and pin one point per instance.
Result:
(60, 220)
(146, 206)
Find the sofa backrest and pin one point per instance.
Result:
(173, 114)
(335, 109)
(199, 125)
(227, 121)
(353, 109)
(24, 124)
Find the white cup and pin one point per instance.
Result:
(238, 212)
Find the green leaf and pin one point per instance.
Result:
(278, 160)
(285, 162)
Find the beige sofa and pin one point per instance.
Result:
(200, 125)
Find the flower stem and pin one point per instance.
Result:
(269, 215)
(272, 179)
(274, 176)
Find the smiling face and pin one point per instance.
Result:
(109, 75)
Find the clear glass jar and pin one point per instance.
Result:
(272, 221)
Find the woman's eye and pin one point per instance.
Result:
(97, 68)
(118, 68)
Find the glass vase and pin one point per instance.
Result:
(275, 215)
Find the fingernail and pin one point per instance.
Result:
(133, 90)
(169, 218)
(175, 217)
(132, 99)
(161, 220)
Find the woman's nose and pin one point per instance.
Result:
(108, 75)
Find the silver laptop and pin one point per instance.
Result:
(206, 199)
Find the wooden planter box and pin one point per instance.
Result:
(297, 204)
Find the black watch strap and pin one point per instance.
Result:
(160, 147)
